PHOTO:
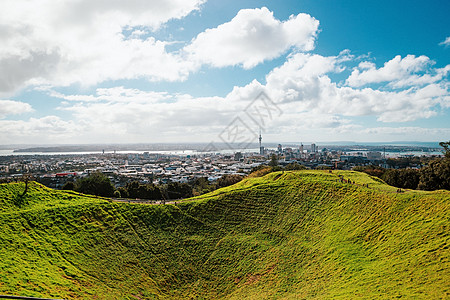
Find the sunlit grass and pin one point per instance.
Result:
(285, 235)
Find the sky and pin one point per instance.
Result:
(186, 71)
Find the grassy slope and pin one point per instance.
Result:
(285, 235)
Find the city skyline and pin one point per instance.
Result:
(81, 72)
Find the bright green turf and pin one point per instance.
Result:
(285, 235)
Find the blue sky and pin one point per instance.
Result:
(82, 71)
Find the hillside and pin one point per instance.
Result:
(285, 235)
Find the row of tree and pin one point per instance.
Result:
(434, 176)
(100, 185)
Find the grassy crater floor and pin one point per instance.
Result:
(287, 235)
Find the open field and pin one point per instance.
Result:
(286, 235)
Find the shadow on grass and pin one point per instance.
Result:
(20, 200)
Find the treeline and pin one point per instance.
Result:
(100, 185)
(434, 176)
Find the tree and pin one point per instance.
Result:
(95, 184)
(133, 189)
(410, 178)
(69, 185)
(201, 186)
(25, 178)
(437, 174)
(446, 146)
(20, 200)
(176, 190)
(154, 192)
(371, 170)
(294, 166)
(402, 178)
(228, 179)
(123, 192)
(142, 191)
(260, 171)
(273, 161)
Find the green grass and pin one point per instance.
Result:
(286, 235)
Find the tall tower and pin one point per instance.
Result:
(261, 148)
(260, 138)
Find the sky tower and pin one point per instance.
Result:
(261, 148)
(260, 138)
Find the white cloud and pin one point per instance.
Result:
(313, 107)
(64, 42)
(87, 42)
(57, 43)
(251, 37)
(412, 80)
(395, 70)
(10, 107)
(445, 42)
(116, 94)
(49, 129)
(303, 83)
(133, 115)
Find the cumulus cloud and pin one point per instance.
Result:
(10, 107)
(304, 83)
(310, 102)
(16, 70)
(87, 42)
(395, 70)
(251, 37)
(64, 42)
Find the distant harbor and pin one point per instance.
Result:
(390, 150)
(165, 152)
